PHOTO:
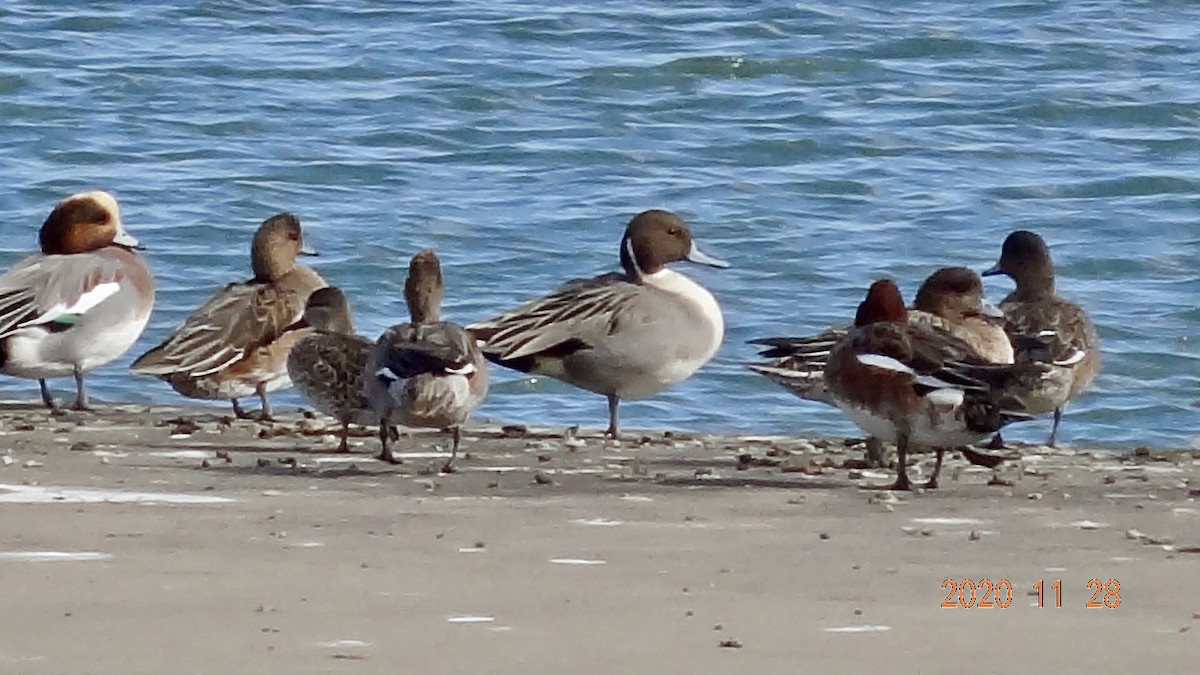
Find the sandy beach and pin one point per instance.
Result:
(176, 540)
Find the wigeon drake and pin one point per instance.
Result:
(1035, 310)
(628, 334)
(327, 365)
(428, 372)
(912, 385)
(950, 299)
(80, 303)
(236, 344)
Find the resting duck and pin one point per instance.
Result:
(950, 299)
(1035, 311)
(910, 384)
(428, 372)
(79, 303)
(236, 344)
(629, 334)
(327, 365)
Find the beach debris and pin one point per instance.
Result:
(1034, 496)
(514, 430)
(32, 464)
(824, 536)
(885, 497)
(730, 644)
(540, 478)
(82, 446)
(973, 535)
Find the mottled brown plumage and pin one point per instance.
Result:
(327, 365)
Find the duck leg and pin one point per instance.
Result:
(238, 412)
(344, 446)
(902, 463)
(932, 483)
(47, 398)
(264, 413)
(997, 442)
(456, 435)
(1054, 429)
(385, 437)
(875, 457)
(612, 430)
(81, 396)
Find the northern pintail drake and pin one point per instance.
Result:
(950, 300)
(327, 365)
(428, 372)
(1034, 310)
(910, 384)
(79, 303)
(236, 344)
(628, 334)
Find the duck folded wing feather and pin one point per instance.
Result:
(235, 320)
(33, 293)
(569, 314)
(412, 350)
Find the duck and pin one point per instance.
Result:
(327, 365)
(950, 300)
(1035, 314)
(626, 335)
(236, 344)
(79, 303)
(427, 372)
(907, 383)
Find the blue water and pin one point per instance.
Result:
(815, 145)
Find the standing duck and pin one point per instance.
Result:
(236, 344)
(909, 384)
(327, 365)
(79, 303)
(628, 334)
(1035, 310)
(428, 372)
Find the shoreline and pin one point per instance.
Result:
(162, 539)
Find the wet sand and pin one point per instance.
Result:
(175, 540)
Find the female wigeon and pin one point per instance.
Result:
(327, 365)
(428, 372)
(1035, 311)
(915, 386)
(81, 302)
(236, 344)
(626, 335)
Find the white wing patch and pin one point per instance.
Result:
(463, 370)
(884, 362)
(1075, 357)
(951, 398)
(85, 302)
